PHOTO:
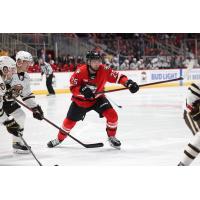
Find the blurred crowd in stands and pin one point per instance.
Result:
(130, 51)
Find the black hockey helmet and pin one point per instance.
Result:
(93, 55)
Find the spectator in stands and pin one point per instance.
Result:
(154, 63)
(125, 65)
(140, 64)
(49, 58)
(133, 65)
(115, 63)
(163, 64)
(53, 65)
(4, 52)
(149, 65)
(41, 54)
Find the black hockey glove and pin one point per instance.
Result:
(132, 86)
(87, 92)
(13, 127)
(8, 95)
(38, 113)
(195, 113)
(13, 92)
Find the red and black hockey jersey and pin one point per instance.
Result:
(96, 82)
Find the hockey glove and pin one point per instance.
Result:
(195, 113)
(87, 92)
(132, 86)
(13, 92)
(13, 127)
(38, 113)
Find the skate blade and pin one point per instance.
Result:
(19, 151)
(116, 147)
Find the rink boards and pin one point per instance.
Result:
(61, 81)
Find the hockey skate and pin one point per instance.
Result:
(114, 142)
(53, 143)
(20, 148)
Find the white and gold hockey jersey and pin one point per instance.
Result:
(23, 79)
(3, 116)
(192, 107)
(193, 95)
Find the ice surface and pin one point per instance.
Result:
(151, 129)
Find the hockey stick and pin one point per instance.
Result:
(155, 83)
(119, 106)
(94, 145)
(28, 147)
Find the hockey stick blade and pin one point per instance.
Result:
(94, 145)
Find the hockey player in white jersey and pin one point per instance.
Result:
(9, 122)
(192, 120)
(21, 82)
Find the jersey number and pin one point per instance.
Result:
(74, 81)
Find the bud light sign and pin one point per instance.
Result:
(164, 75)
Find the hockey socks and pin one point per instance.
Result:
(111, 125)
(191, 151)
(67, 126)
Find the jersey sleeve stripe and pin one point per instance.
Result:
(29, 97)
(194, 85)
(189, 155)
(194, 92)
(194, 148)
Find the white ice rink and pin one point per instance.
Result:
(151, 130)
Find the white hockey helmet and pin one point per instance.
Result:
(7, 67)
(24, 55)
(6, 61)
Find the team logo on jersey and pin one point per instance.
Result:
(74, 81)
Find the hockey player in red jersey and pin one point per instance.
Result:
(86, 81)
